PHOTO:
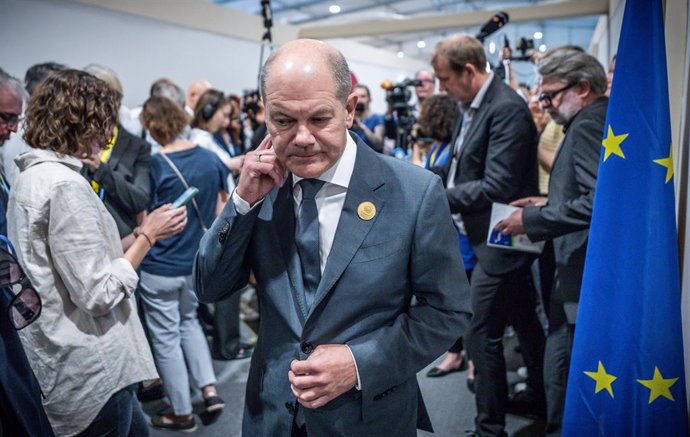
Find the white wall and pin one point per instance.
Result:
(141, 49)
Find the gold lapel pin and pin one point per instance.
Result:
(366, 211)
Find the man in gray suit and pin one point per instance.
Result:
(494, 160)
(573, 93)
(340, 240)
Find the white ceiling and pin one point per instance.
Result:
(309, 13)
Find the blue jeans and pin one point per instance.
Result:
(121, 416)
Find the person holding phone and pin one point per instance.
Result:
(88, 348)
(170, 304)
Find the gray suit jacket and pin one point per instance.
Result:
(375, 268)
(497, 163)
(567, 215)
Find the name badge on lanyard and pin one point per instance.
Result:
(105, 156)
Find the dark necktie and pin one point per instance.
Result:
(307, 238)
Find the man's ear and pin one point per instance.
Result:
(350, 105)
(584, 89)
(471, 70)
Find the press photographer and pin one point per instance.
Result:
(369, 126)
(253, 119)
(400, 119)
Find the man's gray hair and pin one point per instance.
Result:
(9, 81)
(169, 89)
(106, 74)
(337, 63)
(573, 66)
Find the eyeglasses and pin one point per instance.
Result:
(25, 303)
(9, 118)
(547, 97)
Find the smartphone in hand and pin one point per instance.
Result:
(185, 197)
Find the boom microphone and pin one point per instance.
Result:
(496, 22)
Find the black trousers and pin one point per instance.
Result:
(458, 345)
(559, 345)
(226, 321)
(495, 300)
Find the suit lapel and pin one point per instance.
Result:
(284, 218)
(479, 116)
(351, 230)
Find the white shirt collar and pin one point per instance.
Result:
(341, 172)
(477, 101)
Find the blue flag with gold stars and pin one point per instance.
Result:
(626, 374)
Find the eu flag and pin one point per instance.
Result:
(626, 374)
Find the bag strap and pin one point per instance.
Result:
(186, 185)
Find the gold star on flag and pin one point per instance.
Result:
(658, 386)
(603, 379)
(612, 144)
(668, 163)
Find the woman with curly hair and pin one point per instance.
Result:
(88, 348)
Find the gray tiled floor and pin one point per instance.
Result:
(450, 404)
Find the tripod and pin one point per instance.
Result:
(266, 39)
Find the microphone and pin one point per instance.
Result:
(267, 13)
(496, 22)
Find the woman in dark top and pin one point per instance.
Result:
(166, 273)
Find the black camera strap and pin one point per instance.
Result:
(186, 186)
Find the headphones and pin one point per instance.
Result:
(211, 107)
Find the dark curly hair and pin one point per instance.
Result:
(71, 111)
(164, 119)
(438, 117)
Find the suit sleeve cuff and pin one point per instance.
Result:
(359, 382)
(242, 206)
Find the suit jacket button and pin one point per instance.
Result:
(223, 234)
(290, 407)
(307, 347)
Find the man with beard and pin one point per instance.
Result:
(573, 91)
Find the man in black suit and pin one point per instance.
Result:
(573, 88)
(494, 160)
(120, 173)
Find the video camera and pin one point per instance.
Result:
(250, 101)
(522, 46)
(398, 96)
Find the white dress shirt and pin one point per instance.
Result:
(467, 114)
(330, 199)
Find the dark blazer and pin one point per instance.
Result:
(125, 180)
(364, 299)
(568, 213)
(497, 163)
(21, 411)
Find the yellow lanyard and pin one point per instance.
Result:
(434, 153)
(105, 156)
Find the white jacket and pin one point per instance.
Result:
(88, 342)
